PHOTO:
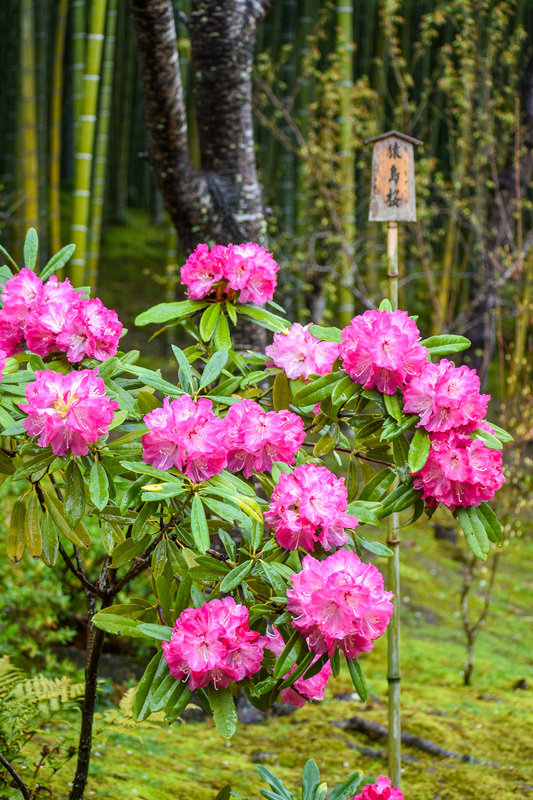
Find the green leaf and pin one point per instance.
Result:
(348, 788)
(209, 320)
(224, 713)
(132, 493)
(318, 389)
(490, 441)
(57, 261)
(310, 780)
(147, 402)
(98, 485)
(275, 783)
(142, 526)
(366, 513)
(445, 343)
(501, 434)
(281, 392)
(153, 676)
(221, 336)
(214, 367)
(375, 547)
(125, 551)
(11, 261)
(473, 542)
(393, 407)
(492, 524)
(31, 246)
(264, 318)
(225, 793)
(199, 527)
(163, 312)
(419, 450)
(385, 305)
(119, 625)
(358, 679)
(183, 595)
(294, 648)
(327, 442)
(32, 532)
(185, 369)
(78, 535)
(160, 632)
(74, 494)
(236, 576)
(50, 541)
(16, 533)
(343, 391)
(232, 314)
(178, 700)
(378, 485)
(326, 334)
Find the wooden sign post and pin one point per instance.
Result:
(392, 200)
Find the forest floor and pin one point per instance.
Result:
(490, 721)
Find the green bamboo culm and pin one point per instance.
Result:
(54, 156)
(28, 112)
(79, 33)
(345, 47)
(101, 145)
(393, 566)
(85, 142)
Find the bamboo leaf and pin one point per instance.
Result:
(31, 246)
(224, 713)
(57, 262)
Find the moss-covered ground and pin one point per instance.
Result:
(490, 721)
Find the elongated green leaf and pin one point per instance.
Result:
(224, 712)
(501, 434)
(98, 485)
(302, 667)
(127, 550)
(294, 648)
(119, 625)
(375, 547)
(31, 246)
(492, 525)
(281, 392)
(57, 261)
(445, 343)
(16, 533)
(275, 783)
(33, 535)
(326, 334)
(378, 485)
(310, 780)
(141, 526)
(221, 335)
(178, 700)
(132, 493)
(74, 494)
(343, 391)
(358, 679)
(185, 369)
(209, 320)
(183, 595)
(348, 788)
(213, 368)
(468, 530)
(490, 441)
(199, 527)
(419, 450)
(264, 318)
(161, 632)
(163, 312)
(235, 577)
(478, 526)
(78, 535)
(154, 675)
(393, 407)
(385, 305)
(317, 390)
(327, 442)
(50, 541)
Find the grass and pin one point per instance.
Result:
(490, 721)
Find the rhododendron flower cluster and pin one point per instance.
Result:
(186, 434)
(54, 316)
(300, 354)
(311, 688)
(68, 411)
(255, 439)
(381, 349)
(380, 790)
(459, 471)
(309, 506)
(2, 362)
(339, 603)
(245, 268)
(446, 397)
(214, 644)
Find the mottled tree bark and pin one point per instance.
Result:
(221, 201)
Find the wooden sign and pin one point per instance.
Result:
(392, 197)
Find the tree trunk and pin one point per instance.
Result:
(220, 202)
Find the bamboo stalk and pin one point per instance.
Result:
(101, 145)
(28, 110)
(85, 149)
(79, 25)
(54, 163)
(346, 159)
(393, 565)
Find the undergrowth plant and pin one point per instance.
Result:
(223, 485)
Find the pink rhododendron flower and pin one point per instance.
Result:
(381, 349)
(93, 331)
(446, 397)
(187, 435)
(380, 790)
(311, 688)
(255, 438)
(300, 354)
(245, 268)
(309, 506)
(67, 411)
(459, 471)
(340, 603)
(214, 644)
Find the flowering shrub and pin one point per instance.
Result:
(215, 481)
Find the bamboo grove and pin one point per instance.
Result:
(456, 74)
